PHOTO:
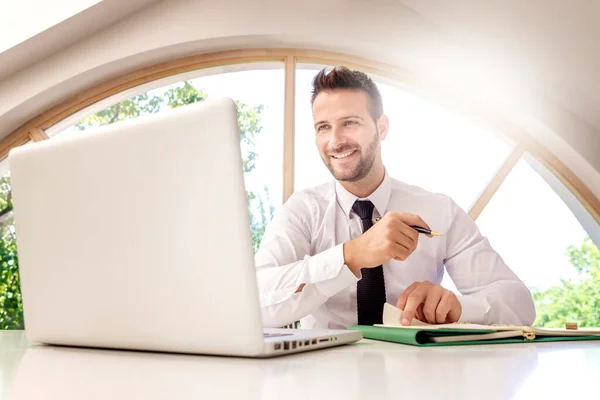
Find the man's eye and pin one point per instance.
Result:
(350, 122)
(321, 127)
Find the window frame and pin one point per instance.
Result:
(236, 60)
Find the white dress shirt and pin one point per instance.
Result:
(303, 245)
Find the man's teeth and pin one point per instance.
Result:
(343, 155)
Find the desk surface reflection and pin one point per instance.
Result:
(367, 369)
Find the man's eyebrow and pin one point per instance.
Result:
(342, 119)
(352, 116)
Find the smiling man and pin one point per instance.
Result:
(324, 261)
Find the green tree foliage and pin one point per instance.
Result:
(261, 210)
(249, 121)
(11, 309)
(573, 300)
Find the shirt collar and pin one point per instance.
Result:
(380, 197)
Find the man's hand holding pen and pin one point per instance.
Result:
(392, 237)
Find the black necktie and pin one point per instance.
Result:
(370, 290)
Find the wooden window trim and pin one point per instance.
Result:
(486, 195)
(34, 128)
(289, 127)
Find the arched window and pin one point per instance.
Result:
(534, 218)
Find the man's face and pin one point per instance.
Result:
(347, 137)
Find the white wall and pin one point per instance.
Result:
(23, 19)
(382, 30)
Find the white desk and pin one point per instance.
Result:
(363, 371)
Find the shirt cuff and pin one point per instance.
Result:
(474, 309)
(328, 271)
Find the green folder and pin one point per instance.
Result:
(425, 337)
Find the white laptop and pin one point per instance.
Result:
(136, 236)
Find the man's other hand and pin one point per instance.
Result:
(429, 303)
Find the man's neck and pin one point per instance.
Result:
(367, 185)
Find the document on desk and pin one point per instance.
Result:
(422, 334)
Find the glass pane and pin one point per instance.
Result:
(309, 169)
(259, 95)
(537, 226)
(11, 308)
(427, 146)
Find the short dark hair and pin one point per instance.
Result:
(344, 78)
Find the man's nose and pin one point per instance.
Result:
(337, 137)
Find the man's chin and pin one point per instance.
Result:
(345, 176)
(349, 173)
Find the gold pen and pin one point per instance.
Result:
(419, 229)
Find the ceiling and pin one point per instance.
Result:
(552, 46)
(529, 58)
(54, 30)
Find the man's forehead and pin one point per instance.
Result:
(341, 102)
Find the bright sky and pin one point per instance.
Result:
(22, 19)
(526, 221)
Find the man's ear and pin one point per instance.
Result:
(383, 124)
